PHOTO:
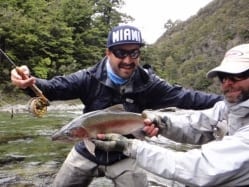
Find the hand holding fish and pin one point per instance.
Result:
(114, 142)
(156, 121)
(150, 128)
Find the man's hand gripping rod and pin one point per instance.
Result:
(37, 105)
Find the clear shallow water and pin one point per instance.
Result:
(26, 150)
(28, 156)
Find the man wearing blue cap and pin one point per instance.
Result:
(117, 79)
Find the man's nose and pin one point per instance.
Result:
(227, 81)
(127, 59)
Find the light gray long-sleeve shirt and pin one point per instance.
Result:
(217, 163)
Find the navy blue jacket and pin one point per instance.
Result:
(144, 90)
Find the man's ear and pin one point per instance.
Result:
(107, 52)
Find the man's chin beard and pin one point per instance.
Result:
(242, 97)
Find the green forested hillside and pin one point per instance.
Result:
(58, 37)
(54, 37)
(187, 50)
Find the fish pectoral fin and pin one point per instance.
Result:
(90, 146)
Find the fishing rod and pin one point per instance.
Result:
(37, 105)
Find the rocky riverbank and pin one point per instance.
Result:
(75, 106)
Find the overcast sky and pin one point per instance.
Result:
(151, 15)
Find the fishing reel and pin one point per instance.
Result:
(38, 106)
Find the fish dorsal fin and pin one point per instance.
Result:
(116, 108)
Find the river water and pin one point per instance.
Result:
(28, 157)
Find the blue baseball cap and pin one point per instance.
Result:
(124, 34)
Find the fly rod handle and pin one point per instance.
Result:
(33, 87)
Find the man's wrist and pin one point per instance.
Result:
(131, 148)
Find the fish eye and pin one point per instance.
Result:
(67, 133)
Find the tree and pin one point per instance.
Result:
(55, 37)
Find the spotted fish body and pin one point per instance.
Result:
(110, 120)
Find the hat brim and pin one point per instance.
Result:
(126, 43)
(228, 68)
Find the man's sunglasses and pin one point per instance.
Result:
(121, 53)
(223, 77)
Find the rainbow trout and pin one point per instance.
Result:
(110, 120)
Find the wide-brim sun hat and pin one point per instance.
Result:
(124, 34)
(236, 61)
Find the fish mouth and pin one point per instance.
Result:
(63, 139)
(54, 138)
(57, 136)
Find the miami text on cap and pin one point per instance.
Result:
(124, 34)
